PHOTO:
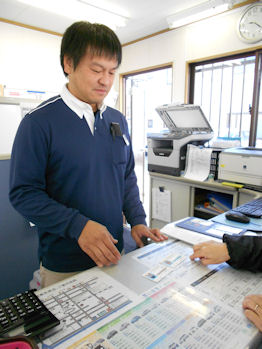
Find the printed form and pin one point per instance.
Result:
(191, 306)
(202, 311)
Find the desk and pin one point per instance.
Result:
(187, 193)
(117, 307)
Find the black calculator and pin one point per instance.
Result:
(25, 314)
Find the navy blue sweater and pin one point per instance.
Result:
(62, 175)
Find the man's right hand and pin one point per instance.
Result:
(96, 241)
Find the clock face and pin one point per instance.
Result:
(250, 24)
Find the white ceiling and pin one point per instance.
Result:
(145, 16)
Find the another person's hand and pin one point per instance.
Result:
(210, 252)
(140, 230)
(252, 305)
(96, 241)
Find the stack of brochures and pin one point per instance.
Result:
(196, 230)
(208, 227)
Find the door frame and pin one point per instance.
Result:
(124, 76)
(122, 95)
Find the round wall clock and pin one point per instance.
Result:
(249, 26)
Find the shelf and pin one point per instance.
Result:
(213, 185)
(187, 194)
(200, 212)
(18, 100)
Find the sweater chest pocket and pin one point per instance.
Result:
(119, 151)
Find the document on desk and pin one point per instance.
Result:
(197, 162)
(221, 280)
(154, 253)
(172, 257)
(186, 235)
(192, 307)
(84, 303)
(196, 230)
(174, 317)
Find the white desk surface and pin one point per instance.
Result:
(192, 307)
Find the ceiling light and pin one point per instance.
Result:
(80, 10)
(198, 12)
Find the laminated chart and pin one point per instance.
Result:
(81, 303)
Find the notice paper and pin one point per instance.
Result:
(197, 162)
(161, 204)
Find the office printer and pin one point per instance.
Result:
(167, 151)
(241, 165)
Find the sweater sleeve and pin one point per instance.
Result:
(245, 251)
(28, 193)
(132, 207)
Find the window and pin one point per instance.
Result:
(229, 91)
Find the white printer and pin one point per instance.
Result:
(241, 165)
(167, 151)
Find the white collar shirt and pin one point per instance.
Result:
(81, 108)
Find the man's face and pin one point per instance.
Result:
(92, 79)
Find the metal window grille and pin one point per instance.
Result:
(224, 90)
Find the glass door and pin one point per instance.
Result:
(144, 91)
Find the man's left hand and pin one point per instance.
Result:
(140, 230)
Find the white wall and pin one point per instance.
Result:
(29, 59)
(207, 38)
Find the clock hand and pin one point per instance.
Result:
(256, 24)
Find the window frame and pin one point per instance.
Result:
(257, 53)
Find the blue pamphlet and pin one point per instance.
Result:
(207, 227)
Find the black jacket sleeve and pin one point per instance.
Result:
(245, 251)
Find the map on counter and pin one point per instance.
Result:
(192, 307)
(82, 302)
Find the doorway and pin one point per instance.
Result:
(144, 91)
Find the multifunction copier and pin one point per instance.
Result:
(187, 124)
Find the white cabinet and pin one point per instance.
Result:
(246, 195)
(187, 195)
(180, 199)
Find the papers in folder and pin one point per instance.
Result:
(196, 230)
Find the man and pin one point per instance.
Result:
(72, 165)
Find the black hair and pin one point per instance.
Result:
(98, 39)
